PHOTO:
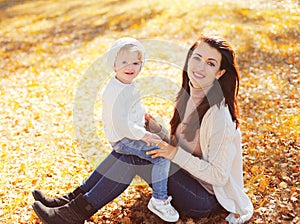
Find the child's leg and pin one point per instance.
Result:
(160, 201)
(133, 147)
(160, 204)
(160, 172)
(160, 169)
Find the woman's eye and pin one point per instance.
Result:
(196, 58)
(211, 64)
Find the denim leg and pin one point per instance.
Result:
(98, 173)
(113, 182)
(189, 197)
(160, 172)
(160, 169)
(134, 147)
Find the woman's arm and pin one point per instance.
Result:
(216, 168)
(220, 151)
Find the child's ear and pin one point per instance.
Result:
(219, 75)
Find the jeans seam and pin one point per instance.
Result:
(184, 187)
(112, 190)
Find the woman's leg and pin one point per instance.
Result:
(85, 187)
(98, 173)
(111, 184)
(115, 180)
(189, 197)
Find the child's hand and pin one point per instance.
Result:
(151, 124)
(151, 139)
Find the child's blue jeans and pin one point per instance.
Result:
(160, 169)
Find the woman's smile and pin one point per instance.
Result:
(198, 75)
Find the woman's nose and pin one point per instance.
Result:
(201, 64)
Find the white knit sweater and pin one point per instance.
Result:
(221, 165)
(122, 111)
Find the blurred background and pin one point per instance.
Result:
(48, 48)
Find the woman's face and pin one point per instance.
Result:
(204, 66)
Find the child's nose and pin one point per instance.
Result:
(131, 66)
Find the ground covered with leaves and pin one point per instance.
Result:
(50, 48)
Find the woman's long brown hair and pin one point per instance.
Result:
(226, 86)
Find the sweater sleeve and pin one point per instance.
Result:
(164, 134)
(219, 151)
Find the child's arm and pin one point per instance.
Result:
(151, 139)
(154, 127)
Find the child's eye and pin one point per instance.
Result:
(136, 63)
(124, 62)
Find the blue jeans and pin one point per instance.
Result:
(190, 197)
(115, 173)
(160, 168)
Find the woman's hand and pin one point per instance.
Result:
(152, 125)
(165, 150)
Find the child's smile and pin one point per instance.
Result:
(127, 66)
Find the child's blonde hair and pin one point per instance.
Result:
(121, 43)
(130, 48)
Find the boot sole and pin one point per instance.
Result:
(39, 215)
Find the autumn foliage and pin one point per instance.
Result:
(46, 48)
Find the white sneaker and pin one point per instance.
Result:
(163, 209)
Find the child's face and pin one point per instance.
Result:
(127, 65)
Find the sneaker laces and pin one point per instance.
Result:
(165, 207)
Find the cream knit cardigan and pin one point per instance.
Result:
(221, 165)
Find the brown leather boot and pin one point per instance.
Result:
(56, 202)
(74, 212)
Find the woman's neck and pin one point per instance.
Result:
(199, 92)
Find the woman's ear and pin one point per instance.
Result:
(220, 73)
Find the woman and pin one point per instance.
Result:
(206, 141)
(205, 149)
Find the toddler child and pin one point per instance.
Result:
(124, 122)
